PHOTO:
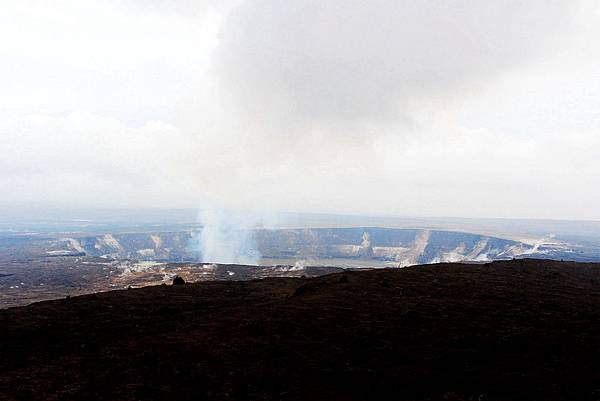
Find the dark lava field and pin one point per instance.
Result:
(514, 330)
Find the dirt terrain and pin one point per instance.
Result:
(44, 278)
(515, 330)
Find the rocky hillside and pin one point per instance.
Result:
(515, 330)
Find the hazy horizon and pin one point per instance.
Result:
(58, 211)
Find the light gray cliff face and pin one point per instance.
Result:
(399, 247)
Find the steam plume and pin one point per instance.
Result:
(226, 237)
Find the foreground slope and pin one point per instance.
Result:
(514, 330)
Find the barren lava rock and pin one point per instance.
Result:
(516, 330)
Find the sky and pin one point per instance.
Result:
(380, 107)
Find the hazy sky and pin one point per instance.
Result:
(456, 108)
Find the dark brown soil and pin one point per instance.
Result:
(518, 330)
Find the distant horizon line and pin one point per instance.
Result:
(54, 207)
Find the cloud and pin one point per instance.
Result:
(379, 106)
(374, 107)
(86, 158)
(346, 63)
(100, 57)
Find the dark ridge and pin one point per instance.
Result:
(514, 330)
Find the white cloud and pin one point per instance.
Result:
(345, 62)
(102, 57)
(463, 108)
